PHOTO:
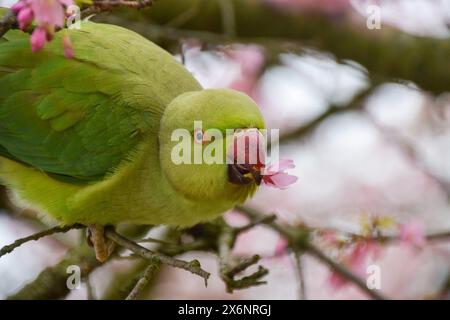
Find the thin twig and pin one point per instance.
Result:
(59, 229)
(193, 266)
(144, 281)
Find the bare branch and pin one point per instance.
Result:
(60, 229)
(193, 266)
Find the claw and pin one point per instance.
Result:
(103, 246)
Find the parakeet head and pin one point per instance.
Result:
(203, 147)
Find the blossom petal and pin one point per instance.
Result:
(17, 7)
(280, 180)
(280, 166)
(38, 39)
(48, 12)
(25, 17)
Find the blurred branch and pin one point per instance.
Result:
(51, 282)
(107, 5)
(423, 60)
(59, 229)
(356, 104)
(145, 280)
(299, 240)
(193, 266)
(438, 236)
(301, 276)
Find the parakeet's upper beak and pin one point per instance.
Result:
(247, 154)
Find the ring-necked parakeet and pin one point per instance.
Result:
(88, 140)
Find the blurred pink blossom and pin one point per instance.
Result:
(413, 233)
(251, 61)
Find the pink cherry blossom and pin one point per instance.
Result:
(276, 176)
(413, 233)
(38, 39)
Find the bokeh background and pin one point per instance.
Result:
(363, 113)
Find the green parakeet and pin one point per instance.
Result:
(88, 140)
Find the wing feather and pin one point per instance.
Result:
(80, 117)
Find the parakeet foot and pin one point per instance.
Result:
(103, 246)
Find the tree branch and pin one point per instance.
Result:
(193, 266)
(59, 229)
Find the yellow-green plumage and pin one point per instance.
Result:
(87, 139)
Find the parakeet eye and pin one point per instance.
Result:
(198, 136)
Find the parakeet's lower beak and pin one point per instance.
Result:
(244, 174)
